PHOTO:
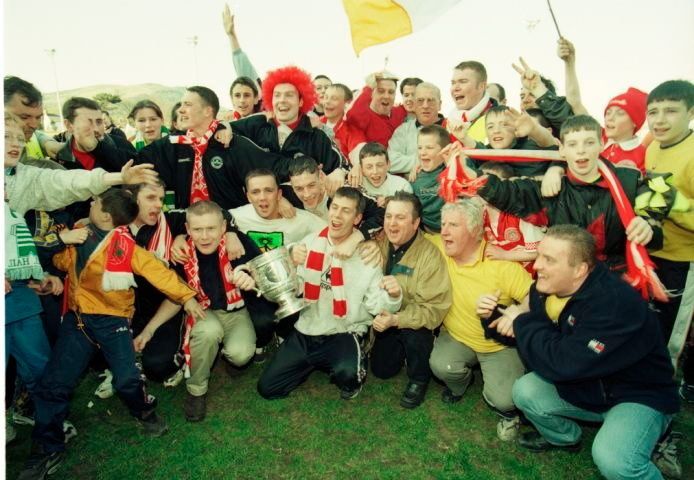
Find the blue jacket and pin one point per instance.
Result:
(606, 349)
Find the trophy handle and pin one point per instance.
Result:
(246, 268)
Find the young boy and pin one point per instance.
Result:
(508, 237)
(509, 129)
(430, 142)
(669, 113)
(100, 272)
(374, 163)
(584, 198)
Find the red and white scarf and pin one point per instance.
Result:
(192, 271)
(640, 268)
(160, 243)
(118, 271)
(198, 186)
(315, 260)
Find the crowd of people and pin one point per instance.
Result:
(553, 252)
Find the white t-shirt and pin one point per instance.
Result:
(392, 184)
(271, 234)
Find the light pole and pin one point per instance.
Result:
(51, 53)
(194, 41)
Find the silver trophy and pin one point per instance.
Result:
(276, 279)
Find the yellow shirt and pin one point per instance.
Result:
(554, 305)
(678, 227)
(469, 282)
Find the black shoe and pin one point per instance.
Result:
(347, 394)
(414, 395)
(448, 397)
(260, 356)
(40, 464)
(194, 407)
(536, 443)
(154, 425)
(232, 370)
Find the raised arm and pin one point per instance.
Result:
(242, 64)
(567, 53)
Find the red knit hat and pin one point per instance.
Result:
(633, 101)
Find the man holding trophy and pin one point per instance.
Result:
(343, 296)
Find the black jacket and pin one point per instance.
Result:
(606, 349)
(588, 206)
(304, 139)
(225, 169)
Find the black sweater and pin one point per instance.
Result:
(606, 349)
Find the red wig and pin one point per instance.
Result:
(297, 77)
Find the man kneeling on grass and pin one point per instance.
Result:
(592, 359)
(344, 296)
(209, 271)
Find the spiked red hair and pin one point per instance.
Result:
(297, 77)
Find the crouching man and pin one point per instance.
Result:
(344, 296)
(596, 354)
(210, 272)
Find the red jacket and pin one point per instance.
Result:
(376, 127)
(347, 136)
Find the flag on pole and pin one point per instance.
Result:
(379, 21)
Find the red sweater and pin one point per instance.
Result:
(347, 136)
(376, 127)
(616, 153)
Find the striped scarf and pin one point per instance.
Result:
(198, 186)
(314, 269)
(21, 259)
(640, 272)
(160, 243)
(192, 271)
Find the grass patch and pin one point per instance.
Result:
(311, 434)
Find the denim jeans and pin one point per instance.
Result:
(26, 341)
(71, 354)
(622, 447)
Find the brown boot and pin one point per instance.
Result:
(194, 407)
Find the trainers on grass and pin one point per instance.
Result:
(665, 456)
(349, 394)
(69, 430)
(105, 388)
(175, 379)
(507, 428)
(153, 424)
(40, 464)
(686, 391)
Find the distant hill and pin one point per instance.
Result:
(164, 96)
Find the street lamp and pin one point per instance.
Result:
(51, 53)
(194, 40)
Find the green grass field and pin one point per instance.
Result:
(311, 434)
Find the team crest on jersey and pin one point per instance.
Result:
(571, 320)
(596, 346)
(216, 162)
(512, 234)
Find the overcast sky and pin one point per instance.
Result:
(620, 43)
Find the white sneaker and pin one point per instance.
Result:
(507, 428)
(105, 389)
(174, 379)
(69, 430)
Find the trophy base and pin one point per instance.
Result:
(289, 307)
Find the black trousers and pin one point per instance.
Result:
(162, 355)
(339, 355)
(262, 314)
(395, 345)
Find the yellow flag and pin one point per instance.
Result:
(379, 21)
